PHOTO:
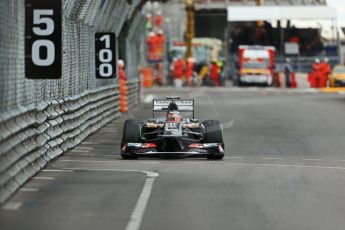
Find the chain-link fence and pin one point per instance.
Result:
(41, 119)
(81, 19)
(134, 45)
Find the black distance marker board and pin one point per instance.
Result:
(43, 34)
(105, 55)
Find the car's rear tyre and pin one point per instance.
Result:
(214, 134)
(131, 134)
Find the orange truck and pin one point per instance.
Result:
(256, 65)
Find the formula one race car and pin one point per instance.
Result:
(172, 135)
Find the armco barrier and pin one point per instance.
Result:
(31, 136)
(133, 97)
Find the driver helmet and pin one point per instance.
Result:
(174, 116)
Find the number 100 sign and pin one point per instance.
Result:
(43, 39)
(105, 54)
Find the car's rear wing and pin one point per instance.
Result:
(184, 105)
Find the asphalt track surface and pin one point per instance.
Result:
(284, 170)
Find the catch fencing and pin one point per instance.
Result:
(41, 119)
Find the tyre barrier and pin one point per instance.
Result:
(33, 135)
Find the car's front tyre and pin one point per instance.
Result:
(131, 134)
(214, 134)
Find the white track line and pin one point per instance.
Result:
(43, 178)
(12, 206)
(292, 166)
(83, 148)
(87, 143)
(149, 162)
(194, 163)
(232, 157)
(273, 158)
(79, 151)
(112, 161)
(313, 159)
(56, 170)
(139, 209)
(29, 189)
(91, 161)
(96, 155)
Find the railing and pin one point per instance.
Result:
(267, 2)
(304, 64)
(298, 64)
(133, 93)
(33, 135)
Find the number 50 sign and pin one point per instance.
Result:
(105, 54)
(43, 39)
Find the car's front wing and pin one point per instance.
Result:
(193, 150)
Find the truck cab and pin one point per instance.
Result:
(256, 65)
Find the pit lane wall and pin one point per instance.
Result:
(41, 119)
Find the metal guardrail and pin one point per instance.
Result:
(133, 96)
(298, 64)
(33, 135)
(303, 64)
(41, 119)
(225, 3)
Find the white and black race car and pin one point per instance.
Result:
(172, 135)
